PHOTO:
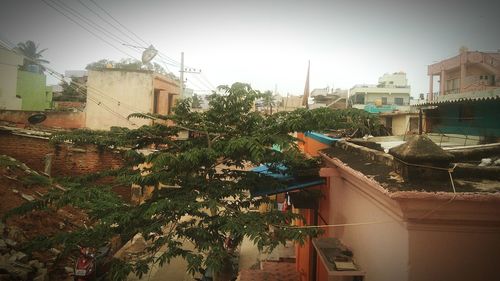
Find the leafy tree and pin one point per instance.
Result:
(269, 101)
(196, 102)
(205, 190)
(72, 91)
(31, 50)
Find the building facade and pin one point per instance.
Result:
(465, 72)
(390, 94)
(468, 98)
(22, 90)
(114, 94)
(396, 233)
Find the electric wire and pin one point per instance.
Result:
(60, 77)
(88, 30)
(109, 23)
(123, 26)
(88, 21)
(195, 76)
(93, 99)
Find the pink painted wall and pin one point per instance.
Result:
(381, 249)
(460, 241)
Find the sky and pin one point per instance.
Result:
(264, 43)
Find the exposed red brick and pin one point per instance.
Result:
(66, 160)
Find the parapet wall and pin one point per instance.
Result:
(55, 119)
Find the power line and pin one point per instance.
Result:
(88, 30)
(208, 81)
(60, 77)
(97, 5)
(201, 82)
(87, 21)
(92, 99)
(109, 23)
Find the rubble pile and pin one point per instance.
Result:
(15, 190)
(16, 265)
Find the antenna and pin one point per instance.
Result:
(149, 54)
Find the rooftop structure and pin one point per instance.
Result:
(392, 93)
(469, 95)
(114, 94)
(406, 228)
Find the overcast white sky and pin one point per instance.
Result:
(267, 43)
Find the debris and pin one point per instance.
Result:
(68, 269)
(54, 251)
(27, 197)
(395, 176)
(485, 162)
(15, 191)
(42, 275)
(60, 187)
(35, 264)
(11, 243)
(18, 256)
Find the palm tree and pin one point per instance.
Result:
(268, 101)
(33, 56)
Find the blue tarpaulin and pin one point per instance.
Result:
(289, 183)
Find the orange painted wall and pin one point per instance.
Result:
(303, 253)
(310, 145)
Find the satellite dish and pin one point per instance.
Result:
(37, 118)
(149, 54)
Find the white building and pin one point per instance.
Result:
(9, 63)
(392, 93)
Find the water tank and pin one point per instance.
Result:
(33, 68)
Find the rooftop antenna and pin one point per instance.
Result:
(148, 54)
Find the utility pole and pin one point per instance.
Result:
(182, 75)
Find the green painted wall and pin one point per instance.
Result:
(34, 93)
(482, 118)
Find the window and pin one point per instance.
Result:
(359, 99)
(398, 101)
(384, 100)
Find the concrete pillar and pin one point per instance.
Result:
(431, 87)
(47, 167)
(442, 82)
(463, 73)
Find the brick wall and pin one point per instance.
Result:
(55, 119)
(67, 160)
(69, 104)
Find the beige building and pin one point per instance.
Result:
(9, 63)
(114, 94)
(288, 103)
(400, 123)
(465, 72)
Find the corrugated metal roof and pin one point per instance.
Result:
(468, 96)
